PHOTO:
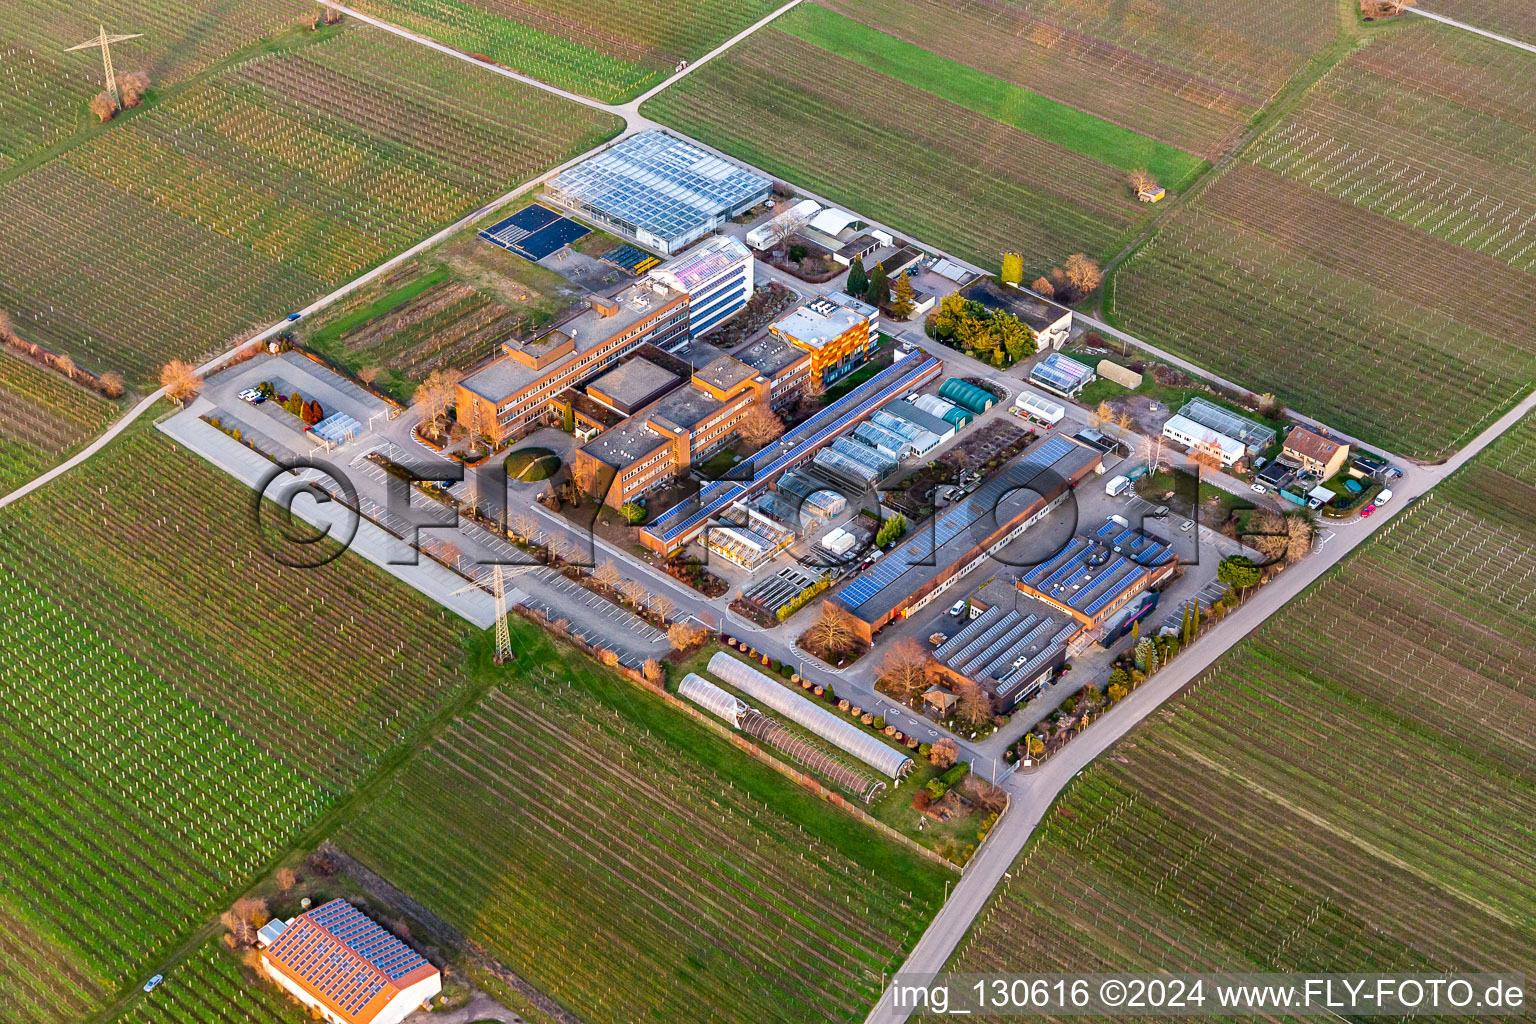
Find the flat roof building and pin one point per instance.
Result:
(658, 191)
(1192, 435)
(717, 274)
(515, 390)
(835, 329)
(967, 533)
(1098, 573)
(348, 969)
(1010, 649)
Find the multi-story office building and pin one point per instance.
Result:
(835, 329)
(716, 274)
(514, 392)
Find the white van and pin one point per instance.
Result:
(1385, 496)
(1117, 486)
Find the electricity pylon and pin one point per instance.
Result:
(104, 42)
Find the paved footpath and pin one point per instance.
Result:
(1032, 795)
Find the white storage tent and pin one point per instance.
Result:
(833, 728)
(712, 699)
(1039, 407)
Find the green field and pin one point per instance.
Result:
(1275, 277)
(905, 156)
(256, 186)
(44, 91)
(211, 987)
(637, 868)
(172, 722)
(43, 419)
(611, 50)
(994, 98)
(1189, 73)
(1348, 790)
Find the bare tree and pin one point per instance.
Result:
(635, 592)
(1083, 274)
(608, 574)
(653, 672)
(1143, 181)
(368, 373)
(112, 384)
(132, 87)
(180, 380)
(833, 630)
(285, 878)
(1101, 415)
(7, 327)
(1123, 424)
(662, 605)
(903, 670)
(760, 426)
(1043, 287)
(944, 753)
(102, 106)
(1206, 454)
(973, 706)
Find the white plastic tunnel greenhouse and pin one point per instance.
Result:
(712, 699)
(830, 727)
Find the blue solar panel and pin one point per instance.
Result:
(706, 509)
(1114, 592)
(1066, 554)
(955, 521)
(534, 232)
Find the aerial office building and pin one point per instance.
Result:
(716, 274)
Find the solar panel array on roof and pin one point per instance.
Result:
(342, 955)
(1090, 573)
(956, 519)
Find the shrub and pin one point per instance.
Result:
(879, 722)
(956, 773)
(936, 788)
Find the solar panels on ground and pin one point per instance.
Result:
(630, 259)
(534, 232)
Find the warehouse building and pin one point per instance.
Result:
(968, 533)
(679, 525)
(1009, 648)
(1098, 573)
(716, 274)
(658, 191)
(347, 969)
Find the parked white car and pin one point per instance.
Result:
(1385, 496)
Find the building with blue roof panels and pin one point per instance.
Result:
(938, 554)
(1098, 572)
(1010, 649)
(796, 447)
(658, 191)
(717, 276)
(347, 969)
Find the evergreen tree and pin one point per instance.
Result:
(879, 291)
(858, 281)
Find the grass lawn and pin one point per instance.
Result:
(991, 97)
(532, 464)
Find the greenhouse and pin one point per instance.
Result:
(967, 395)
(831, 727)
